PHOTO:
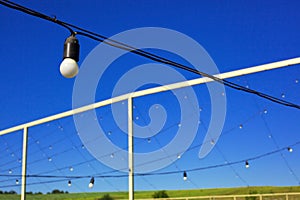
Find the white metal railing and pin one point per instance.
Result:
(273, 196)
(129, 97)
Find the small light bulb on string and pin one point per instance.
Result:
(290, 149)
(71, 169)
(184, 176)
(241, 126)
(17, 182)
(69, 66)
(247, 164)
(92, 181)
(10, 171)
(282, 95)
(69, 183)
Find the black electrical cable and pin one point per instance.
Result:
(140, 52)
(61, 178)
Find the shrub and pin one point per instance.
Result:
(106, 197)
(251, 198)
(160, 194)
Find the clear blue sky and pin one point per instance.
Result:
(236, 34)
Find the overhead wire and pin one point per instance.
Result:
(157, 173)
(108, 154)
(156, 58)
(141, 52)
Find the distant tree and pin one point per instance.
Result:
(106, 197)
(38, 193)
(56, 191)
(29, 192)
(11, 192)
(1, 192)
(160, 194)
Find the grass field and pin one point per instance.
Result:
(148, 194)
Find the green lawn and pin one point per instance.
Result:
(148, 194)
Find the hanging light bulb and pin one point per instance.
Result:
(92, 181)
(247, 164)
(69, 183)
(184, 176)
(69, 67)
(290, 149)
(17, 182)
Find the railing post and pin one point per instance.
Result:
(130, 151)
(24, 163)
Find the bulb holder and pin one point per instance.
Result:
(71, 48)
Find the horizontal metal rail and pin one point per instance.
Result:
(154, 90)
(260, 196)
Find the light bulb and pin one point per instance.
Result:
(290, 149)
(91, 185)
(69, 183)
(92, 181)
(247, 164)
(184, 176)
(69, 68)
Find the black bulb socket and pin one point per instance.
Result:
(71, 48)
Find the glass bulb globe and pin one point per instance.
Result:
(69, 68)
(91, 185)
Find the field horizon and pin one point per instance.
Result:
(148, 194)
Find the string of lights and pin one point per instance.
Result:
(246, 161)
(271, 136)
(97, 37)
(126, 47)
(61, 127)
